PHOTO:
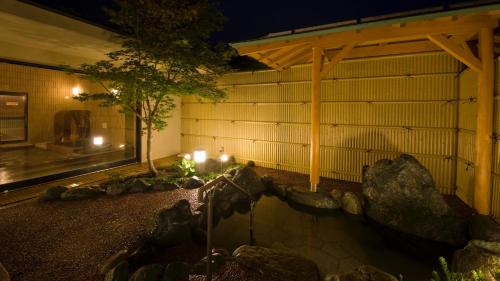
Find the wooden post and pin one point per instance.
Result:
(484, 124)
(317, 62)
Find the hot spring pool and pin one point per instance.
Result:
(336, 242)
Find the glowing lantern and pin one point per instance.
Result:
(200, 156)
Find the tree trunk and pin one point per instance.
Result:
(151, 165)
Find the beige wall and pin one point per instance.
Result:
(49, 91)
(371, 109)
(167, 142)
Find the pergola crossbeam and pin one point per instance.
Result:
(462, 54)
(336, 59)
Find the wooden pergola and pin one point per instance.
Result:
(452, 31)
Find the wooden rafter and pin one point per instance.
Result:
(273, 56)
(457, 50)
(302, 57)
(336, 59)
(292, 54)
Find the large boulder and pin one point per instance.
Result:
(482, 227)
(153, 272)
(314, 200)
(277, 264)
(401, 195)
(250, 181)
(113, 261)
(362, 273)
(4, 274)
(171, 226)
(53, 193)
(478, 256)
(118, 273)
(80, 193)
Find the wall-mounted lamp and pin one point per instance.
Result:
(200, 156)
(76, 91)
(98, 140)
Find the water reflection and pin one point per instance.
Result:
(336, 242)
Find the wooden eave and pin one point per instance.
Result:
(449, 30)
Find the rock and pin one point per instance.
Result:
(193, 183)
(153, 272)
(118, 273)
(212, 166)
(200, 267)
(177, 271)
(482, 227)
(141, 256)
(362, 273)
(171, 226)
(164, 186)
(267, 181)
(113, 261)
(231, 171)
(279, 190)
(336, 195)
(137, 185)
(53, 193)
(4, 274)
(351, 204)
(477, 258)
(251, 164)
(277, 264)
(315, 200)
(250, 181)
(80, 193)
(401, 195)
(114, 189)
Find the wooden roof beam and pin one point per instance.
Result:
(459, 52)
(283, 60)
(336, 59)
(410, 31)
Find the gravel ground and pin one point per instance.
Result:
(69, 240)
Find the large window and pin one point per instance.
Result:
(44, 131)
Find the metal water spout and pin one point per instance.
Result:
(208, 190)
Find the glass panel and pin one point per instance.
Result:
(63, 134)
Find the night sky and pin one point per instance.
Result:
(254, 18)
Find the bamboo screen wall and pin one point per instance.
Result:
(371, 109)
(466, 135)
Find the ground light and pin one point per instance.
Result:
(187, 156)
(75, 91)
(200, 156)
(98, 140)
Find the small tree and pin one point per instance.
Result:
(164, 53)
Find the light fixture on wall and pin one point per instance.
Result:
(98, 140)
(76, 91)
(121, 145)
(200, 156)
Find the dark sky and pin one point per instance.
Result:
(248, 19)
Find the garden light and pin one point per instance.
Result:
(187, 156)
(98, 140)
(75, 91)
(200, 156)
(224, 157)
